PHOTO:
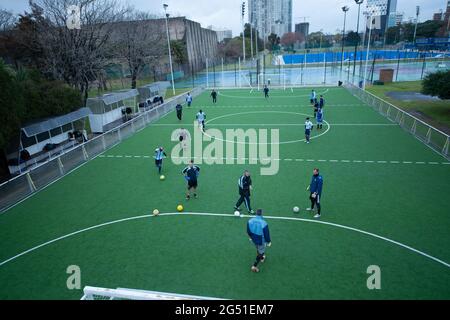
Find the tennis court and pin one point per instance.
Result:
(384, 203)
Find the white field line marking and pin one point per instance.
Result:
(280, 124)
(277, 96)
(259, 112)
(265, 106)
(286, 159)
(226, 215)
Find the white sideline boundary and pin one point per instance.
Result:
(231, 216)
(278, 97)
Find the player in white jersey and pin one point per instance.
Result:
(201, 116)
(159, 156)
(308, 127)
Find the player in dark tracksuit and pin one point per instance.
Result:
(321, 102)
(245, 186)
(258, 231)
(191, 173)
(315, 188)
(266, 92)
(214, 96)
(179, 109)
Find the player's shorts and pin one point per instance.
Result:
(319, 121)
(307, 132)
(261, 248)
(158, 162)
(189, 103)
(200, 123)
(192, 184)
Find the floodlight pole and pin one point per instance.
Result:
(243, 31)
(358, 2)
(415, 27)
(170, 51)
(367, 52)
(345, 9)
(251, 40)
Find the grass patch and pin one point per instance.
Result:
(438, 112)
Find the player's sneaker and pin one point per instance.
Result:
(309, 209)
(237, 209)
(263, 258)
(188, 197)
(317, 216)
(251, 212)
(195, 196)
(254, 269)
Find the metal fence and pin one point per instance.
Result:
(432, 137)
(43, 174)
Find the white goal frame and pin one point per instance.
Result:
(90, 293)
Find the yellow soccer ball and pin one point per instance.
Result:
(180, 208)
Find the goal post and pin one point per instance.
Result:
(96, 293)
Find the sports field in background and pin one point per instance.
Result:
(385, 202)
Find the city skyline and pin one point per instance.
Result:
(318, 13)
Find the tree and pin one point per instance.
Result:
(316, 40)
(7, 20)
(274, 41)
(437, 84)
(139, 43)
(289, 39)
(352, 39)
(75, 56)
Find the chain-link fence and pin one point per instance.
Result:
(432, 137)
(309, 68)
(42, 174)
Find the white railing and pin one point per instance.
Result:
(45, 173)
(434, 138)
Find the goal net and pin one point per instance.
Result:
(274, 80)
(96, 293)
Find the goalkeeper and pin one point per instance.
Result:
(315, 188)
(191, 173)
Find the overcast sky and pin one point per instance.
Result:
(322, 14)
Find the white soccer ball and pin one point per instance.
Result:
(296, 209)
(155, 212)
(237, 213)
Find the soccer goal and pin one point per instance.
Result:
(274, 80)
(96, 293)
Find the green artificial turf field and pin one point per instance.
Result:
(378, 179)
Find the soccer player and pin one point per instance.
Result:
(245, 186)
(258, 231)
(182, 135)
(308, 127)
(201, 116)
(321, 102)
(313, 97)
(316, 108)
(159, 156)
(179, 109)
(214, 96)
(191, 173)
(266, 92)
(319, 118)
(315, 188)
(189, 99)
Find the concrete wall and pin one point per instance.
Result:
(200, 43)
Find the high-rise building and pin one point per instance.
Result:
(443, 16)
(222, 33)
(302, 28)
(386, 9)
(271, 16)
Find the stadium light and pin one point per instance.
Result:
(417, 20)
(243, 29)
(345, 9)
(165, 6)
(358, 2)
